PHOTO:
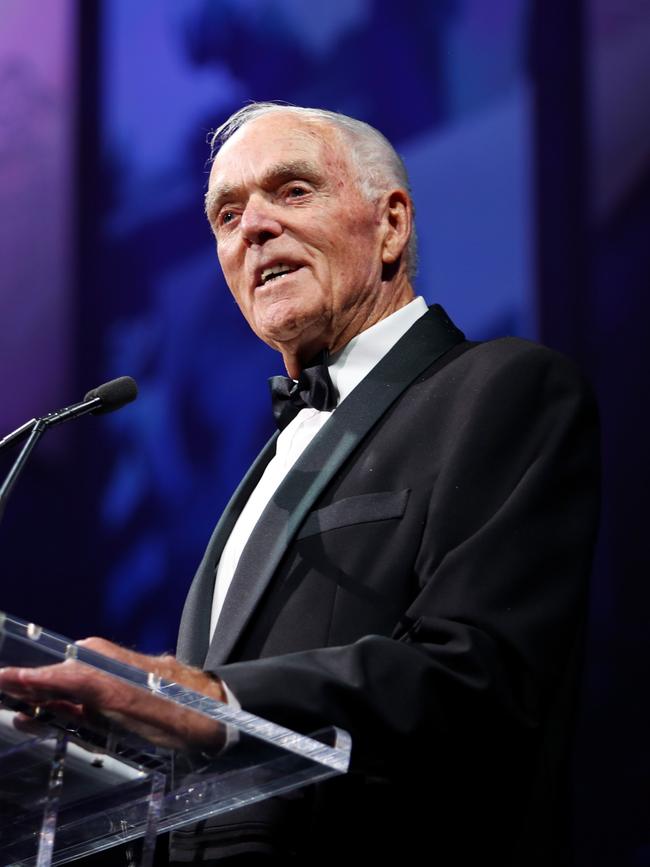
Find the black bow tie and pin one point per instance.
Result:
(314, 388)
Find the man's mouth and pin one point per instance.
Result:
(275, 271)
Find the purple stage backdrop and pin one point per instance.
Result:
(37, 181)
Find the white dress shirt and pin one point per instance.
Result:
(347, 368)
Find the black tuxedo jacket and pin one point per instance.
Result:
(419, 580)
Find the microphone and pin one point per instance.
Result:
(113, 395)
(105, 398)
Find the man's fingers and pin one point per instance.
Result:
(50, 711)
(75, 682)
(151, 716)
(69, 681)
(95, 692)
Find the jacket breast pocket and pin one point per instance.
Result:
(362, 509)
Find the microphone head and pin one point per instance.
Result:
(114, 394)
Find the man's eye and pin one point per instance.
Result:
(296, 191)
(227, 217)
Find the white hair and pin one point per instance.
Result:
(379, 167)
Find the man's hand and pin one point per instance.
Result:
(79, 691)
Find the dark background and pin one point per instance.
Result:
(526, 129)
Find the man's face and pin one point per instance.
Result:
(299, 245)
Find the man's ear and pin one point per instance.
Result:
(398, 218)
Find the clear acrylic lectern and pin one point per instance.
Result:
(70, 789)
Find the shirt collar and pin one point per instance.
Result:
(357, 358)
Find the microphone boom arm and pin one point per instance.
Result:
(105, 398)
(38, 429)
(52, 418)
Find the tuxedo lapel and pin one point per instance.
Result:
(194, 630)
(427, 340)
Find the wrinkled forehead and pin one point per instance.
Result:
(280, 137)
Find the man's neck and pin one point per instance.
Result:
(296, 356)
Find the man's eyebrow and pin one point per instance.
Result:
(216, 195)
(279, 173)
(292, 170)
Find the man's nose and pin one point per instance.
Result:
(259, 221)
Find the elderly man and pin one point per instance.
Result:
(407, 559)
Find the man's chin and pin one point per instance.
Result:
(291, 330)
